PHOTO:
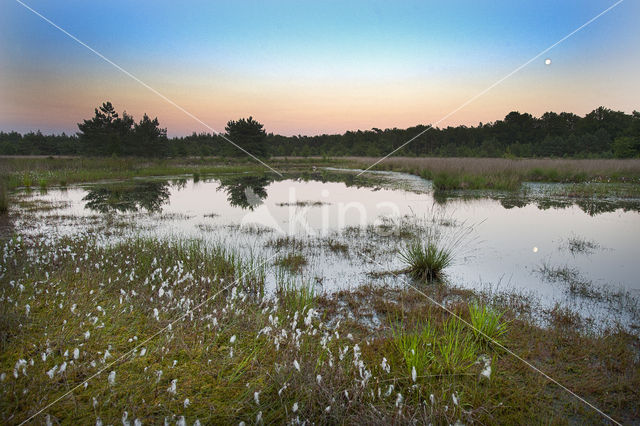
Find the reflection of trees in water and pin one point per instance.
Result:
(180, 183)
(589, 206)
(128, 197)
(509, 203)
(245, 191)
(249, 191)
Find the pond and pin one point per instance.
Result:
(349, 232)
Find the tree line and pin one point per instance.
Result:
(601, 133)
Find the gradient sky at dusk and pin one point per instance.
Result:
(313, 67)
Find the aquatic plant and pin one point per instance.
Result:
(576, 244)
(337, 246)
(295, 296)
(293, 262)
(426, 261)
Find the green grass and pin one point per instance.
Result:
(502, 173)
(295, 296)
(63, 171)
(226, 343)
(445, 181)
(598, 190)
(426, 261)
(487, 324)
(292, 262)
(415, 347)
(456, 349)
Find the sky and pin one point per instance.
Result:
(302, 67)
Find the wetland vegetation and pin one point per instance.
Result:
(127, 306)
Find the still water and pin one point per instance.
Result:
(505, 243)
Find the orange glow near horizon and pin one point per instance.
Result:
(300, 78)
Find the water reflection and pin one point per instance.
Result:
(128, 197)
(245, 191)
(589, 206)
(336, 216)
(248, 191)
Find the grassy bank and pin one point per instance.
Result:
(177, 330)
(44, 172)
(447, 173)
(507, 174)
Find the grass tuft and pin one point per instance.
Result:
(292, 262)
(426, 261)
(415, 347)
(296, 297)
(456, 349)
(487, 323)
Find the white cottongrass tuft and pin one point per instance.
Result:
(76, 353)
(486, 371)
(186, 402)
(295, 407)
(233, 339)
(385, 365)
(414, 374)
(454, 398)
(51, 372)
(318, 379)
(172, 388)
(399, 400)
(296, 365)
(256, 397)
(112, 378)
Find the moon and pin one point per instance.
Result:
(547, 61)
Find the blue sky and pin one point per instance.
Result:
(313, 67)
